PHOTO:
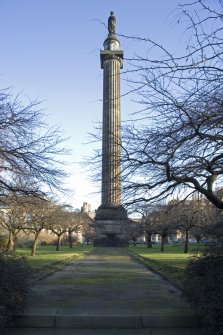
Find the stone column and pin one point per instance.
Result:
(111, 179)
(111, 217)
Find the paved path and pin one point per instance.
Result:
(106, 290)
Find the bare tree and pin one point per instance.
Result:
(29, 149)
(146, 225)
(136, 230)
(212, 227)
(164, 222)
(188, 215)
(176, 142)
(149, 218)
(76, 222)
(12, 219)
(89, 232)
(25, 213)
(58, 223)
(159, 219)
(38, 217)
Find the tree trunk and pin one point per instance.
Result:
(149, 240)
(58, 242)
(10, 247)
(163, 238)
(186, 245)
(198, 239)
(33, 252)
(70, 239)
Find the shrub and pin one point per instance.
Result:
(14, 275)
(203, 286)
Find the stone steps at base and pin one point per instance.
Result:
(67, 321)
(145, 331)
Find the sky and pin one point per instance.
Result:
(50, 51)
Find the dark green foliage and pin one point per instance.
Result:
(14, 276)
(203, 286)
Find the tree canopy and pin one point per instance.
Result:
(29, 149)
(176, 141)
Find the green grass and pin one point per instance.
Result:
(47, 260)
(170, 263)
(46, 255)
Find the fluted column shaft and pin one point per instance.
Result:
(111, 150)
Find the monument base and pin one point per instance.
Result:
(111, 226)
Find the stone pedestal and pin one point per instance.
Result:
(111, 226)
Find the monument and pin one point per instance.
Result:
(111, 221)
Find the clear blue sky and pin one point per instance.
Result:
(50, 51)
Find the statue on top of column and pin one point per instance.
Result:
(111, 23)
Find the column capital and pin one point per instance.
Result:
(111, 54)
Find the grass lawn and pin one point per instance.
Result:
(48, 260)
(170, 263)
